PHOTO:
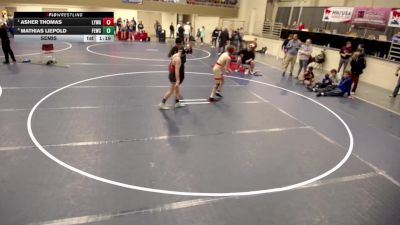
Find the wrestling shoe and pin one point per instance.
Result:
(210, 99)
(179, 105)
(163, 106)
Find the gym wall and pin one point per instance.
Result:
(146, 6)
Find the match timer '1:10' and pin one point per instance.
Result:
(64, 26)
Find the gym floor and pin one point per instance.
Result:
(86, 144)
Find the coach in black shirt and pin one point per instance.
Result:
(247, 56)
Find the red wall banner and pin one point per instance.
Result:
(371, 18)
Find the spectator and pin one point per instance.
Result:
(181, 32)
(198, 34)
(247, 56)
(134, 24)
(345, 54)
(171, 31)
(360, 48)
(214, 37)
(119, 24)
(130, 30)
(191, 32)
(304, 55)
(5, 44)
(301, 26)
(10, 24)
(342, 89)
(187, 30)
(140, 26)
(309, 77)
(159, 29)
(241, 34)
(396, 37)
(396, 89)
(235, 40)
(155, 26)
(285, 42)
(335, 78)
(123, 29)
(358, 64)
(326, 81)
(223, 40)
(294, 25)
(293, 48)
(202, 34)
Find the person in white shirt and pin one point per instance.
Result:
(186, 33)
(304, 56)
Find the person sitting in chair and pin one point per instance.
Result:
(247, 56)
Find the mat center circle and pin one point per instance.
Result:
(243, 142)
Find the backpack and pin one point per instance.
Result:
(320, 58)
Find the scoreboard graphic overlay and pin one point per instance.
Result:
(64, 26)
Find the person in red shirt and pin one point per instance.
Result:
(301, 26)
(345, 54)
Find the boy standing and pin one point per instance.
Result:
(174, 78)
(222, 63)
